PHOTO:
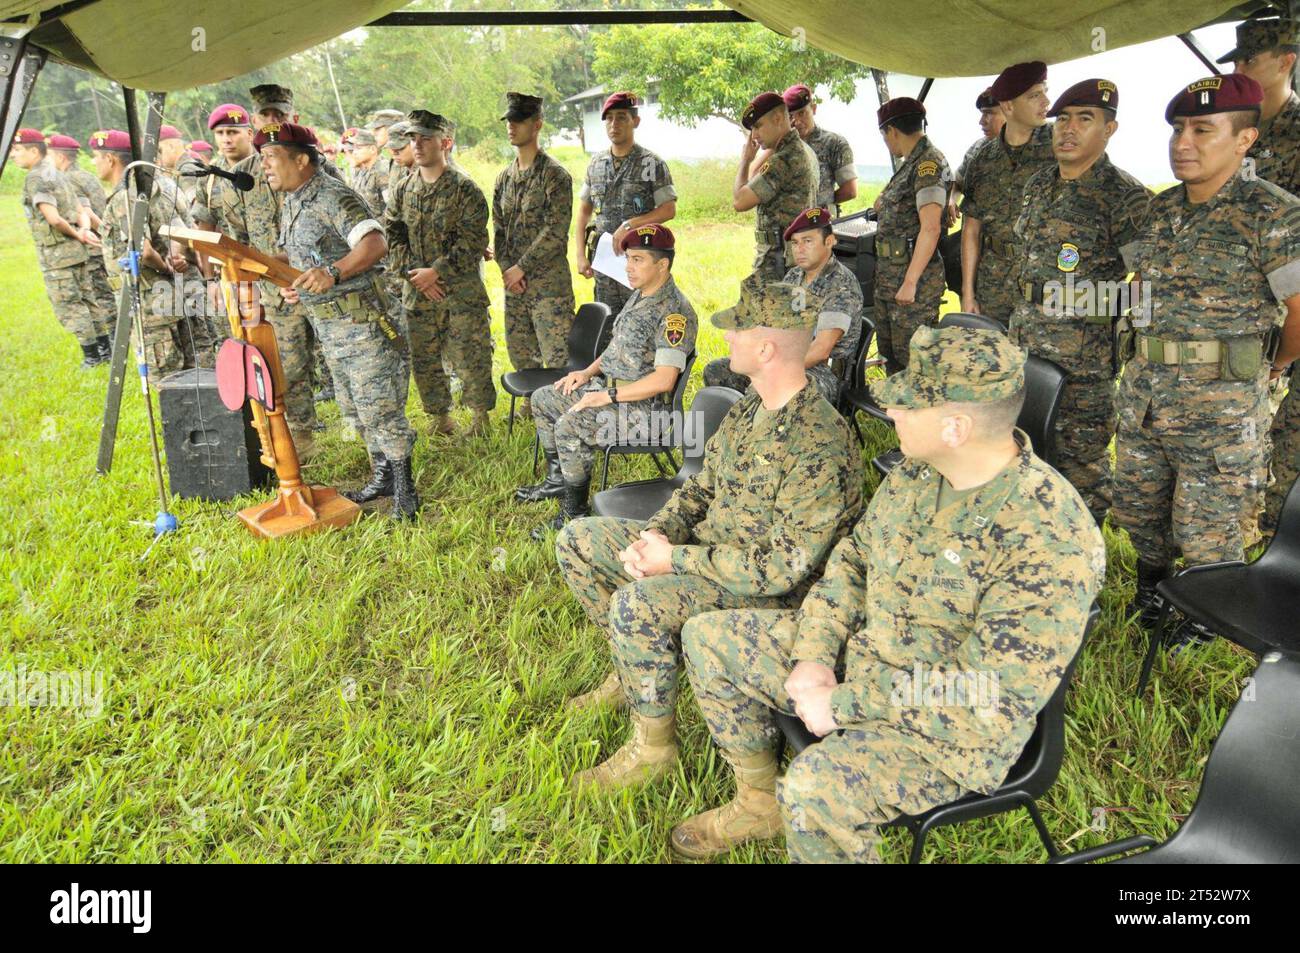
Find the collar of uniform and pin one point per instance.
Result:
(308, 188)
(636, 148)
(791, 136)
(978, 509)
(795, 406)
(1290, 110)
(918, 150)
(1093, 171)
(666, 286)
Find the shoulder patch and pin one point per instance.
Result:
(766, 165)
(675, 328)
(927, 168)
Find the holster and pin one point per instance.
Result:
(592, 237)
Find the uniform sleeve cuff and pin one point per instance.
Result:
(931, 195)
(440, 265)
(760, 187)
(1285, 281)
(819, 640)
(665, 194)
(1129, 253)
(362, 229)
(832, 321)
(672, 527)
(670, 357)
(845, 173)
(44, 198)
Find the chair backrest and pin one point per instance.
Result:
(950, 252)
(978, 322)
(1044, 382)
(859, 379)
(1247, 810)
(1283, 551)
(679, 389)
(710, 406)
(585, 335)
(849, 373)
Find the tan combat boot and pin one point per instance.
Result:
(479, 424)
(444, 425)
(753, 814)
(649, 754)
(610, 692)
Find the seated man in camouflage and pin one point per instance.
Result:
(652, 338)
(781, 483)
(839, 326)
(940, 629)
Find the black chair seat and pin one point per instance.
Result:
(1256, 608)
(523, 383)
(887, 461)
(978, 322)
(634, 501)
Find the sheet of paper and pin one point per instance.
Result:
(608, 263)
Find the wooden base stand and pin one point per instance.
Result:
(302, 509)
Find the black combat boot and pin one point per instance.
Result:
(1146, 601)
(381, 481)
(90, 356)
(405, 500)
(573, 505)
(105, 347)
(549, 488)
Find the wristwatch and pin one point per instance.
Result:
(613, 394)
(333, 272)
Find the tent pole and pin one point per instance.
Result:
(1189, 41)
(19, 66)
(882, 94)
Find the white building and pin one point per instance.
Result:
(710, 139)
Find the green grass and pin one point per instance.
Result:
(392, 692)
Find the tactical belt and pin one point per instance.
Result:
(339, 307)
(1178, 352)
(998, 247)
(1107, 308)
(895, 247)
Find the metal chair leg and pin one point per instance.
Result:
(537, 446)
(853, 419)
(604, 477)
(1153, 647)
(1043, 834)
(919, 834)
(510, 422)
(659, 466)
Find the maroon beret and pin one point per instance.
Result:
(284, 134)
(797, 97)
(758, 107)
(29, 137)
(228, 114)
(623, 100)
(817, 217)
(1091, 92)
(648, 236)
(60, 141)
(110, 140)
(1015, 80)
(199, 147)
(985, 99)
(899, 106)
(1216, 94)
(169, 132)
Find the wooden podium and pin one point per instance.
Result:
(297, 508)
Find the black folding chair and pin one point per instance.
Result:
(866, 368)
(978, 322)
(642, 499)
(1255, 605)
(850, 374)
(665, 443)
(1044, 382)
(1247, 811)
(584, 344)
(1030, 777)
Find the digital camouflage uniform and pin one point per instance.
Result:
(921, 180)
(834, 165)
(90, 193)
(785, 186)
(993, 188)
(253, 218)
(62, 259)
(173, 319)
(443, 225)
(619, 189)
(777, 490)
(949, 619)
(531, 211)
(189, 184)
(841, 309)
(658, 331)
(1077, 238)
(373, 185)
(321, 222)
(1189, 447)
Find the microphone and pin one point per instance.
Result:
(241, 180)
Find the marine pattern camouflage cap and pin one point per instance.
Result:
(954, 365)
(779, 304)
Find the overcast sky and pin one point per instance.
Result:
(1148, 75)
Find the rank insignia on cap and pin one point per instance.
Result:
(646, 230)
(927, 168)
(1105, 87)
(270, 129)
(675, 329)
(1067, 259)
(813, 214)
(1212, 82)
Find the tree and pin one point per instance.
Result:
(716, 70)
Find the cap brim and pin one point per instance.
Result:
(726, 319)
(1231, 56)
(900, 390)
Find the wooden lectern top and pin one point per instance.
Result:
(221, 247)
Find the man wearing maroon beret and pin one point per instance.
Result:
(216, 201)
(991, 123)
(627, 186)
(785, 184)
(1220, 258)
(994, 181)
(837, 176)
(1077, 235)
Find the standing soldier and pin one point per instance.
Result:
(169, 344)
(380, 126)
(909, 272)
(217, 201)
(532, 205)
(1077, 234)
(780, 485)
(839, 321)
(973, 569)
(63, 152)
(60, 229)
(328, 233)
(436, 224)
(1222, 253)
(837, 176)
(369, 177)
(652, 338)
(994, 182)
(785, 185)
(991, 123)
(627, 186)
(400, 151)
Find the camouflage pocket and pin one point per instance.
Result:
(1240, 359)
(1239, 463)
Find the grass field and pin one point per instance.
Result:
(393, 693)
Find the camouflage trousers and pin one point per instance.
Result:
(611, 292)
(72, 298)
(835, 794)
(292, 334)
(366, 362)
(996, 290)
(642, 618)
(396, 316)
(456, 333)
(770, 263)
(103, 311)
(896, 323)
(718, 373)
(537, 329)
(162, 350)
(1188, 453)
(576, 435)
(1285, 434)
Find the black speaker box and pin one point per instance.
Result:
(855, 245)
(212, 453)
